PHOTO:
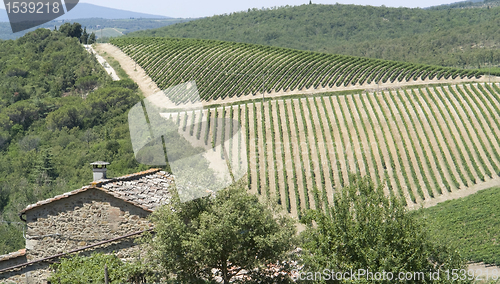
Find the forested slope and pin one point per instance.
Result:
(59, 111)
(451, 37)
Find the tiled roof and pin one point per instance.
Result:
(12, 255)
(147, 190)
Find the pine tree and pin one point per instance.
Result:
(44, 171)
(85, 36)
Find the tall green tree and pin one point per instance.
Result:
(366, 230)
(228, 232)
(85, 36)
(92, 38)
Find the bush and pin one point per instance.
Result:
(67, 116)
(87, 83)
(90, 269)
(232, 229)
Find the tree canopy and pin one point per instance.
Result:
(448, 37)
(366, 230)
(228, 232)
(59, 111)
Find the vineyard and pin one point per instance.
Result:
(228, 69)
(419, 142)
(459, 221)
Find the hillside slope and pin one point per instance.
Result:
(452, 37)
(53, 124)
(301, 147)
(228, 69)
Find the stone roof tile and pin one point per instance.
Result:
(147, 190)
(12, 255)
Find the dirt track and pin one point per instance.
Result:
(136, 73)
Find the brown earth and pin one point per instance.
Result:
(413, 163)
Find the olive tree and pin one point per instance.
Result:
(222, 234)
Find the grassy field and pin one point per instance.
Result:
(471, 224)
(107, 32)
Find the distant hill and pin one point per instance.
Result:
(463, 38)
(85, 10)
(114, 22)
(110, 28)
(468, 4)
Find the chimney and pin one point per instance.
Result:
(99, 170)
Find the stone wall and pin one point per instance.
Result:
(17, 276)
(81, 220)
(14, 276)
(29, 274)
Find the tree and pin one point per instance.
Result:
(228, 232)
(92, 38)
(66, 116)
(87, 83)
(366, 230)
(108, 102)
(71, 30)
(85, 36)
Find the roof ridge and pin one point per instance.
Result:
(12, 255)
(125, 177)
(97, 185)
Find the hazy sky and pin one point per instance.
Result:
(203, 8)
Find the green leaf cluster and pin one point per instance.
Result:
(459, 222)
(90, 269)
(59, 111)
(367, 230)
(227, 232)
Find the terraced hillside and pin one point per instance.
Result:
(227, 69)
(422, 143)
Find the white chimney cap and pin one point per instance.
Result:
(99, 163)
(99, 170)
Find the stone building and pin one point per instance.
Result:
(105, 216)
